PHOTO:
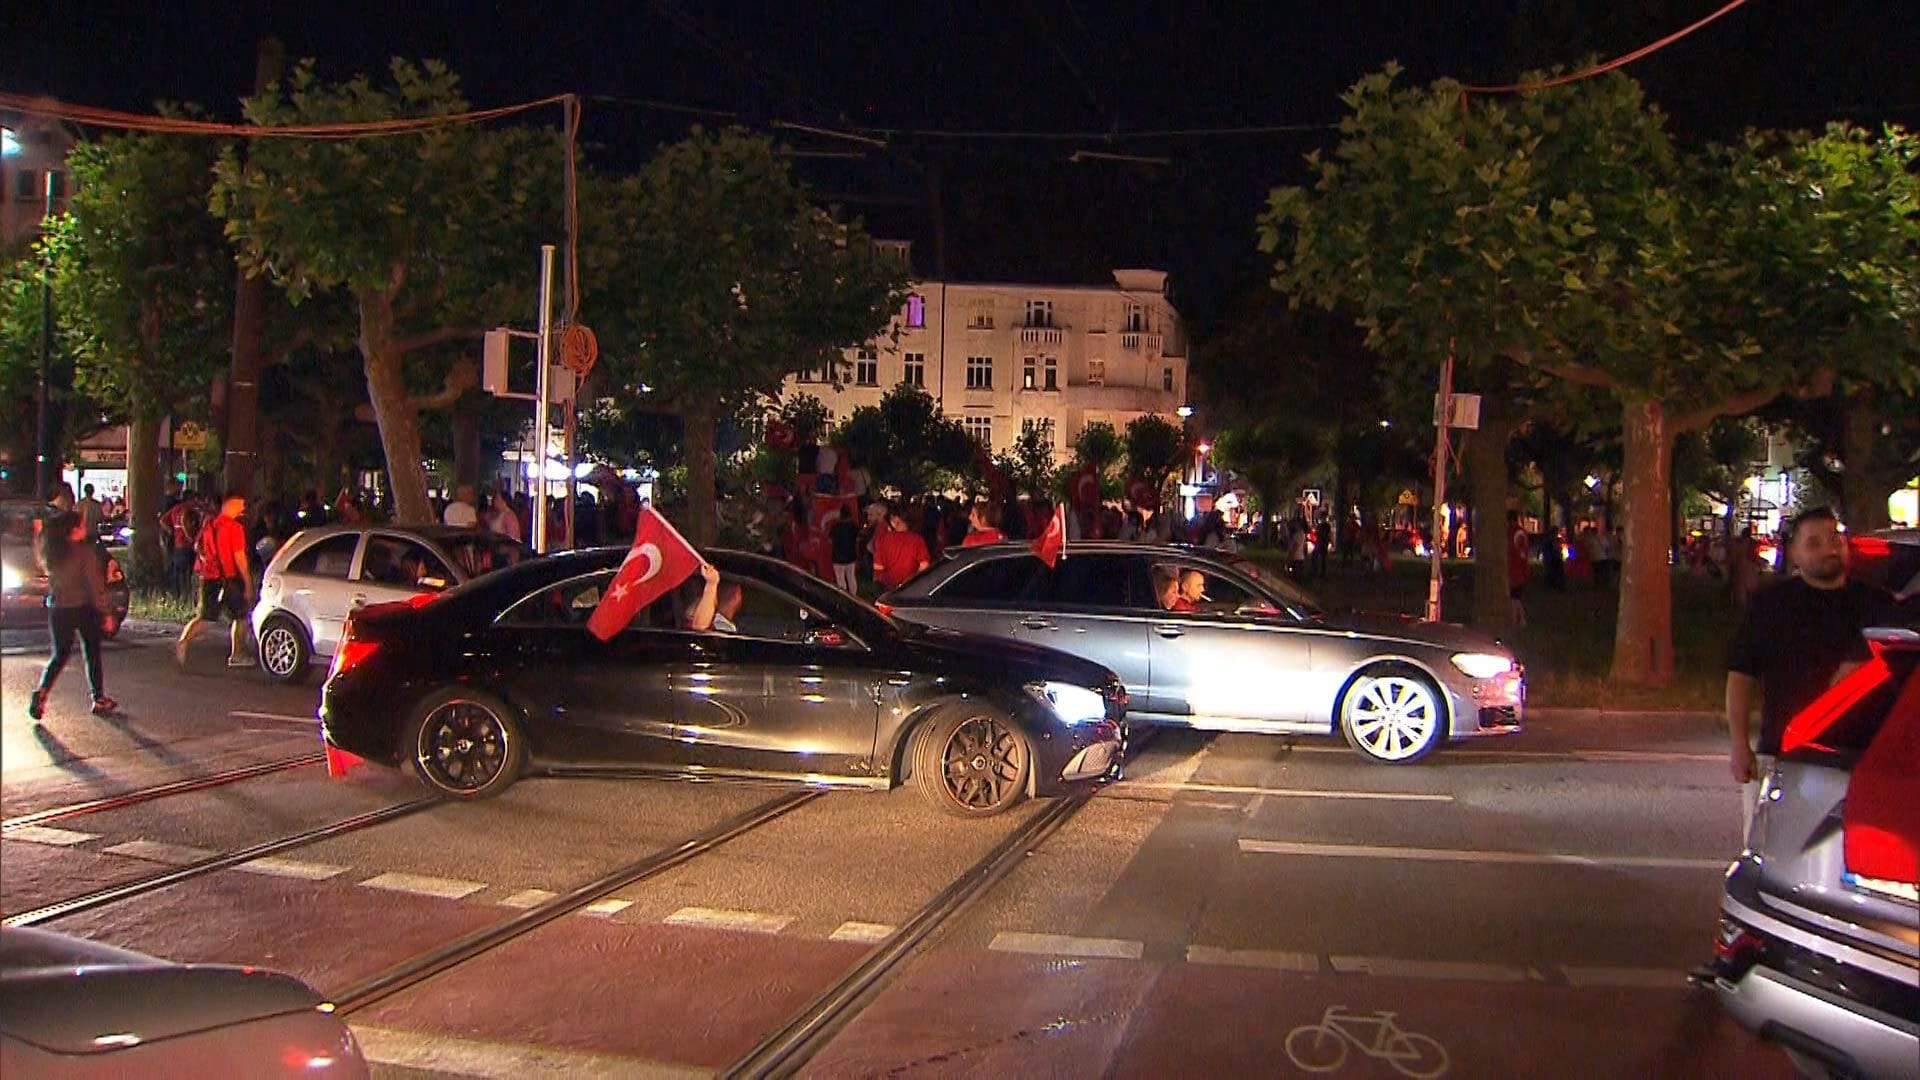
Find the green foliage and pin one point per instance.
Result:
(21, 283)
(1028, 464)
(907, 444)
(1098, 445)
(1156, 447)
(807, 415)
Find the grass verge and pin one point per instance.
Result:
(159, 605)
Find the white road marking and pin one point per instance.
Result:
(154, 851)
(607, 908)
(1257, 958)
(445, 1055)
(41, 834)
(1290, 793)
(304, 721)
(528, 898)
(1587, 756)
(752, 922)
(861, 933)
(1429, 969)
(1532, 858)
(419, 885)
(292, 868)
(1065, 945)
(1658, 978)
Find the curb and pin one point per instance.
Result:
(1578, 713)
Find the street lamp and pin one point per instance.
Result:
(1185, 412)
(43, 435)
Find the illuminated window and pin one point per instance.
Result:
(981, 428)
(1030, 379)
(916, 311)
(1096, 373)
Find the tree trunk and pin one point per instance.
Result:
(143, 497)
(1863, 488)
(1487, 471)
(466, 440)
(701, 423)
(1643, 636)
(240, 434)
(393, 408)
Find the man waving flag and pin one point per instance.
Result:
(658, 562)
(1052, 544)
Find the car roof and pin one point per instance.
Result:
(957, 559)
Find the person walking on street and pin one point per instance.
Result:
(1518, 545)
(77, 604)
(844, 538)
(179, 532)
(226, 581)
(90, 510)
(463, 512)
(1796, 639)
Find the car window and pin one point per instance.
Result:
(1019, 578)
(1091, 581)
(1204, 590)
(479, 554)
(328, 558)
(403, 564)
(568, 603)
(767, 613)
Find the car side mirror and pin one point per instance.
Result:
(825, 637)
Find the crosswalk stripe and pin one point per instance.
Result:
(43, 834)
(1065, 945)
(420, 885)
(723, 919)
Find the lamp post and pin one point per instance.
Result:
(41, 406)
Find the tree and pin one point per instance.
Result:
(1271, 455)
(432, 234)
(906, 442)
(722, 278)
(1028, 463)
(1562, 231)
(146, 277)
(1156, 448)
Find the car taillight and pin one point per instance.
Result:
(350, 655)
(420, 600)
(1735, 944)
(884, 609)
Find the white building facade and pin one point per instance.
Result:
(1001, 358)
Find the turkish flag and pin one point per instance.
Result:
(659, 561)
(1052, 544)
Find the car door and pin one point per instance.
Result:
(784, 691)
(314, 588)
(1086, 607)
(1236, 658)
(591, 701)
(989, 597)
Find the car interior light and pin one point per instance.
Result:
(1482, 665)
(1072, 704)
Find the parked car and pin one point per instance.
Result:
(23, 584)
(74, 1008)
(1251, 653)
(1819, 941)
(473, 687)
(1889, 558)
(319, 575)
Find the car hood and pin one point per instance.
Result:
(950, 651)
(1415, 631)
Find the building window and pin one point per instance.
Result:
(1166, 379)
(979, 372)
(916, 370)
(1096, 373)
(1041, 425)
(1030, 377)
(980, 315)
(26, 185)
(981, 428)
(916, 311)
(1135, 321)
(866, 368)
(1039, 313)
(59, 182)
(1053, 373)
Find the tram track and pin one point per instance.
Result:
(159, 791)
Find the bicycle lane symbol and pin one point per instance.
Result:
(1323, 1047)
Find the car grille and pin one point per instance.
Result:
(1499, 716)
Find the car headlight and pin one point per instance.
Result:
(1480, 665)
(10, 578)
(1072, 704)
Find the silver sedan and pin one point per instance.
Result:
(1216, 642)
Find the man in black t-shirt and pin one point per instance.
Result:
(844, 534)
(1795, 640)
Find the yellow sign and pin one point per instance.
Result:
(189, 436)
(1407, 499)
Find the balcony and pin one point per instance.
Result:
(1141, 341)
(1040, 335)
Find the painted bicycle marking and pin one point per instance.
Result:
(1323, 1047)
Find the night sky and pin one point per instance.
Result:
(1015, 209)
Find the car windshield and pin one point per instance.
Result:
(478, 553)
(1295, 597)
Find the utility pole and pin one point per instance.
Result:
(1443, 413)
(240, 431)
(43, 452)
(542, 408)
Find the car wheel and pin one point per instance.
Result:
(284, 653)
(972, 762)
(1393, 714)
(465, 744)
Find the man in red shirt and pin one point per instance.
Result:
(899, 553)
(179, 529)
(226, 581)
(981, 526)
(1519, 546)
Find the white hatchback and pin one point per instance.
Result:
(322, 574)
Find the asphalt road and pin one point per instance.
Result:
(1240, 905)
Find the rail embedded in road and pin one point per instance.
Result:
(159, 791)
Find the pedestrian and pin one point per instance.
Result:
(90, 511)
(1553, 560)
(463, 512)
(226, 581)
(1297, 548)
(983, 526)
(1743, 568)
(899, 553)
(844, 538)
(1518, 568)
(1796, 639)
(1322, 539)
(179, 529)
(501, 520)
(76, 605)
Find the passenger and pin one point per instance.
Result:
(719, 604)
(1166, 589)
(1193, 588)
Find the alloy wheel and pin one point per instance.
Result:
(463, 746)
(280, 651)
(1393, 716)
(983, 764)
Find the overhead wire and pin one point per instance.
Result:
(1602, 68)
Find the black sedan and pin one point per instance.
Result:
(472, 687)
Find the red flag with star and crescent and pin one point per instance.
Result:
(1052, 543)
(658, 562)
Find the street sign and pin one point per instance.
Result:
(1463, 411)
(1310, 496)
(1407, 498)
(493, 362)
(189, 436)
